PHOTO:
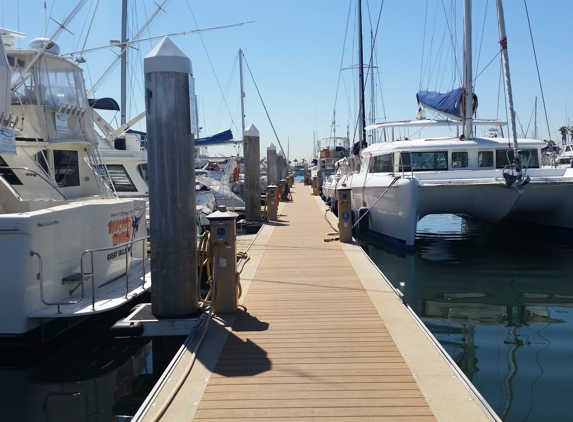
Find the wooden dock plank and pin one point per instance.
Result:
(308, 344)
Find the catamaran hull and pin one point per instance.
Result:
(395, 209)
(392, 207)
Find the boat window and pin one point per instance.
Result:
(529, 158)
(53, 81)
(8, 174)
(567, 148)
(485, 158)
(24, 92)
(41, 160)
(142, 169)
(405, 162)
(381, 164)
(121, 180)
(66, 168)
(503, 157)
(459, 159)
(437, 160)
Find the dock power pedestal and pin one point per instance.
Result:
(315, 188)
(344, 214)
(272, 202)
(223, 227)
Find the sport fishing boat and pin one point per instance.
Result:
(69, 247)
(490, 178)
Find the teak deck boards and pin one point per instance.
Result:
(308, 344)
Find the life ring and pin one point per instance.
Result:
(236, 174)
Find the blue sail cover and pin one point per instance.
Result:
(449, 104)
(225, 137)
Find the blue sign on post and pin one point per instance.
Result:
(345, 216)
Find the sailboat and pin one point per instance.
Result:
(401, 181)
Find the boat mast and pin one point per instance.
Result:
(242, 95)
(372, 91)
(505, 59)
(123, 61)
(468, 91)
(362, 119)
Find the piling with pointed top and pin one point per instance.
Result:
(252, 174)
(171, 179)
(281, 173)
(272, 165)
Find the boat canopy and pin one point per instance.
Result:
(103, 104)
(225, 137)
(449, 104)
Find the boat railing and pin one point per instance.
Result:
(404, 171)
(33, 173)
(102, 176)
(83, 275)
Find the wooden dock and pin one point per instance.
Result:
(320, 335)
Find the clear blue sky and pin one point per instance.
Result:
(295, 50)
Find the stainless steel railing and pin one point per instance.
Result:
(83, 275)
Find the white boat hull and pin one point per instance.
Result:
(395, 209)
(60, 235)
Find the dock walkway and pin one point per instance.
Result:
(320, 335)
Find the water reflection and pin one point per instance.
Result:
(499, 299)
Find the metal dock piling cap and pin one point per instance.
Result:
(167, 57)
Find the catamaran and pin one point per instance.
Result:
(490, 178)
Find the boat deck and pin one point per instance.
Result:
(319, 335)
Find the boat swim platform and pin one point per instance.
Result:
(320, 335)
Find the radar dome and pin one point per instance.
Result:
(38, 43)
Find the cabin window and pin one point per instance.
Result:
(405, 162)
(459, 159)
(529, 158)
(66, 168)
(437, 160)
(381, 164)
(121, 180)
(41, 160)
(8, 174)
(142, 169)
(485, 158)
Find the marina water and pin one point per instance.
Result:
(498, 297)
